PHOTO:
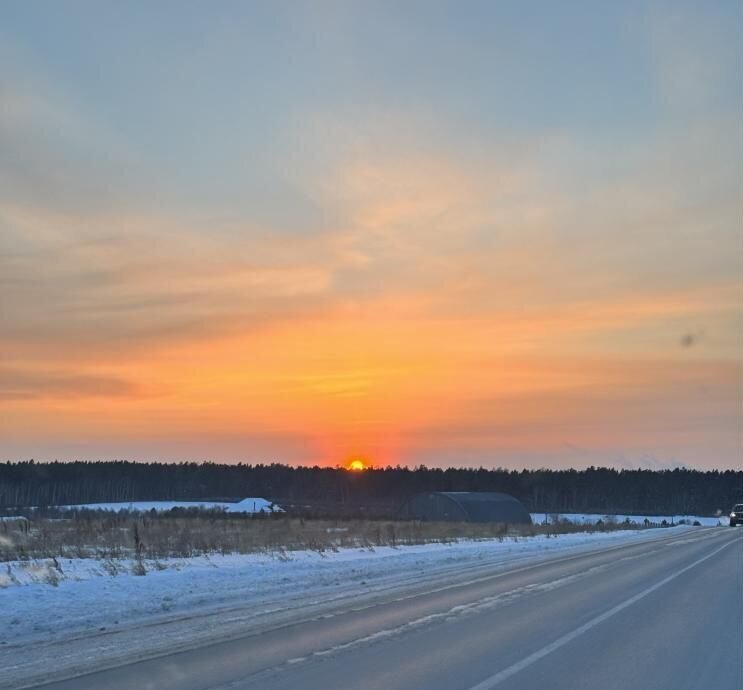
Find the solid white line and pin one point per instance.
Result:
(512, 670)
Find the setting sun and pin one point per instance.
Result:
(356, 465)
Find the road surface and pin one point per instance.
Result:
(660, 615)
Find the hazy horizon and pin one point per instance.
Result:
(416, 233)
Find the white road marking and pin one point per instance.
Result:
(512, 670)
(460, 610)
(485, 604)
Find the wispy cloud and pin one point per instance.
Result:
(390, 264)
(25, 384)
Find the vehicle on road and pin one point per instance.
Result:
(736, 515)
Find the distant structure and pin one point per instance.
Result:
(466, 506)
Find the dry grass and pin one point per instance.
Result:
(115, 536)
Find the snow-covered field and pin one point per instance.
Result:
(593, 518)
(247, 505)
(75, 608)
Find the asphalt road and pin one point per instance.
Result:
(663, 615)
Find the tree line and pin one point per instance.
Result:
(335, 491)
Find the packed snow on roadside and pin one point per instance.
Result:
(90, 594)
(87, 611)
(593, 518)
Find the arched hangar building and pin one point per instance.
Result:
(466, 506)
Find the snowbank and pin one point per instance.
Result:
(593, 518)
(75, 588)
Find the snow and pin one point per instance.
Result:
(103, 611)
(593, 518)
(247, 505)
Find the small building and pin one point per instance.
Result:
(466, 506)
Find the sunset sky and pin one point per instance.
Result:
(467, 233)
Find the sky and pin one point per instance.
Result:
(443, 233)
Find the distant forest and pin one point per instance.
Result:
(375, 492)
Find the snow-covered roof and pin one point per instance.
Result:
(253, 505)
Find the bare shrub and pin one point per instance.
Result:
(112, 537)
